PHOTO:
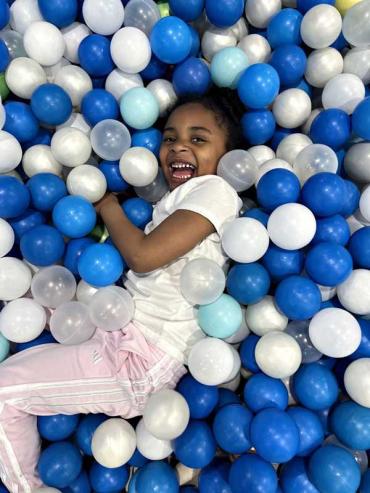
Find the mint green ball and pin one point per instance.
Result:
(139, 108)
(227, 66)
(222, 318)
(4, 347)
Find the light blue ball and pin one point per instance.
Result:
(4, 347)
(227, 66)
(222, 318)
(139, 108)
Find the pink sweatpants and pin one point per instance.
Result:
(113, 373)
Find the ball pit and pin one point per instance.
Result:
(276, 398)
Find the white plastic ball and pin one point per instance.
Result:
(76, 120)
(73, 36)
(313, 159)
(291, 226)
(87, 181)
(103, 16)
(321, 26)
(2, 114)
(323, 65)
(291, 145)
(23, 76)
(22, 320)
(149, 446)
(53, 285)
(23, 13)
(260, 12)
(365, 203)
(327, 292)
(263, 317)
(240, 28)
(70, 323)
(10, 152)
(291, 108)
(138, 166)
(118, 82)
(245, 239)
(85, 292)
(111, 308)
(356, 24)
(52, 71)
(110, 139)
(6, 238)
(256, 47)
(214, 39)
(164, 93)
(130, 50)
(15, 276)
(44, 43)
(275, 163)
(278, 354)
(142, 14)
(166, 414)
(46, 489)
(39, 159)
(335, 332)
(357, 381)
(75, 81)
(354, 292)
(113, 442)
(70, 147)
(357, 162)
(306, 127)
(239, 168)
(344, 92)
(357, 62)
(261, 153)
(202, 281)
(242, 332)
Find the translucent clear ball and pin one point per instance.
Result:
(238, 168)
(344, 92)
(39, 159)
(299, 330)
(138, 166)
(15, 276)
(85, 292)
(202, 281)
(88, 181)
(166, 414)
(103, 16)
(356, 24)
(14, 43)
(155, 190)
(113, 442)
(142, 14)
(321, 25)
(354, 292)
(70, 323)
(357, 381)
(110, 139)
(357, 62)
(149, 446)
(313, 159)
(53, 286)
(111, 308)
(22, 320)
(323, 65)
(291, 108)
(70, 147)
(136, 55)
(23, 76)
(263, 317)
(44, 43)
(291, 146)
(245, 239)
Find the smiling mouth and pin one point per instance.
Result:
(182, 171)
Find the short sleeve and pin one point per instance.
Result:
(213, 198)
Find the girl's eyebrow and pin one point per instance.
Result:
(191, 128)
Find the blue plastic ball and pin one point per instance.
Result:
(100, 265)
(350, 423)
(280, 134)
(247, 353)
(74, 216)
(57, 427)
(285, 28)
(94, 55)
(98, 105)
(315, 386)
(150, 138)
(258, 126)
(248, 283)
(45, 337)
(214, 477)
(201, 399)
(221, 318)
(46, 190)
(253, 474)
(258, 86)
(224, 13)
(192, 76)
(361, 119)
(363, 350)
(196, 447)
(4, 13)
(226, 396)
(61, 13)
(4, 56)
(188, 10)
(231, 428)
(293, 477)
(43, 137)
(86, 429)
(80, 485)
(26, 221)
(73, 252)
(115, 182)
(298, 298)
(51, 104)
(156, 69)
(289, 60)
(351, 199)
(171, 40)
(281, 263)
(262, 391)
(59, 464)
(108, 480)
(42, 245)
(331, 127)
(305, 5)
(195, 42)
(258, 214)
(137, 459)
(323, 193)
(334, 229)
(277, 187)
(311, 430)
(157, 476)
(139, 108)
(14, 197)
(334, 469)
(328, 264)
(365, 482)
(139, 211)
(20, 121)
(359, 247)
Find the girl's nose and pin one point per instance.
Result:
(179, 145)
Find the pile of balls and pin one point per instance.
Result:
(277, 398)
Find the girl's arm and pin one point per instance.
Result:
(175, 236)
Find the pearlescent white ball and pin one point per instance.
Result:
(149, 446)
(307, 124)
(44, 43)
(291, 226)
(321, 26)
(260, 12)
(118, 82)
(130, 50)
(261, 153)
(356, 24)
(76, 120)
(22, 320)
(354, 292)
(357, 62)
(344, 92)
(103, 16)
(275, 163)
(138, 166)
(113, 442)
(214, 39)
(263, 317)
(164, 93)
(10, 152)
(291, 108)
(87, 181)
(357, 381)
(73, 35)
(291, 145)
(245, 239)
(6, 238)
(256, 47)
(365, 203)
(323, 65)
(242, 332)
(357, 162)
(70, 146)
(15, 278)
(23, 13)
(313, 159)
(75, 81)
(23, 76)
(39, 159)
(240, 28)
(52, 71)
(166, 414)
(278, 354)
(46, 489)
(335, 332)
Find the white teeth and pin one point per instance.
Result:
(182, 165)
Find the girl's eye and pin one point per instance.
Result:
(168, 139)
(198, 139)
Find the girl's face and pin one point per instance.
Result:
(193, 143)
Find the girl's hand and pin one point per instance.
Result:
(106, 201)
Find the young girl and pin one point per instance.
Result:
(115, 372)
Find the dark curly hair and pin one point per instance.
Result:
(228, 109)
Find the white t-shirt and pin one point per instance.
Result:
(161, 312)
